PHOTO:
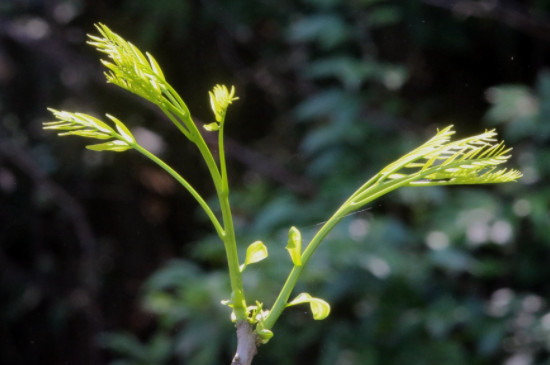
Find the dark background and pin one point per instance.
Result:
(104, 259)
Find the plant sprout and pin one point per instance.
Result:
(439, 161)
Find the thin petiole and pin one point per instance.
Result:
(219, 229)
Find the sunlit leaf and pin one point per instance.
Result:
(441, 161)
(255, 252)
(128, 66)
(155, 66)
(220, 98)
(93, 122)
(122, 129)
(115, 146)
(212, 127)
(84, 125)
(85, 133)
(319, 308)
(294, 246)
(77, 121)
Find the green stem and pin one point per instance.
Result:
(180, 126)
(195, 136)
(185, 184)
(282, 299)
(229, 240)
(221, 152)
(210, 162)
(179, 109)
(376, 191)
(173, 93)
(230, 243)
(364, 195)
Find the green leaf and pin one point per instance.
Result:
(263, 333)
(441, 161)
(512, 103)
(220, 98)
(139, 73)
(350, 71)
(122, 129)
(327, 30)
(319, 308)
(128, 66)
(115, 146)
(76, 121)
(256, 252)
(383, 16)
(155, 66)
(212, 127)
(91, 122)
(294, 246)
(86, 133)
(59, 125)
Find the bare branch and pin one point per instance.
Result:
(246, 345)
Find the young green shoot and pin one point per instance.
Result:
(439, 161)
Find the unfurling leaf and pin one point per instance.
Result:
(212, 127)
(256, 252)
(220, 98)
(138, 72)
(263, 333)
(84, 125)
(234, 302)
(115, 146)
(155, 66)
(294, 246)
(122, 129)
(128, 67)
(87, 133)
(319, 308)
(442, 161)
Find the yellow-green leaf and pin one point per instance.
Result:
(263, 333)
(294, 246)
(319, 308)
(155, 66)
(122, 129)
(256, 252)
(115, 146)
(90, 121)
(220, 98)
(86, 133)
(212, 127)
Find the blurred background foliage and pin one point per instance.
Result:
(103, 259)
